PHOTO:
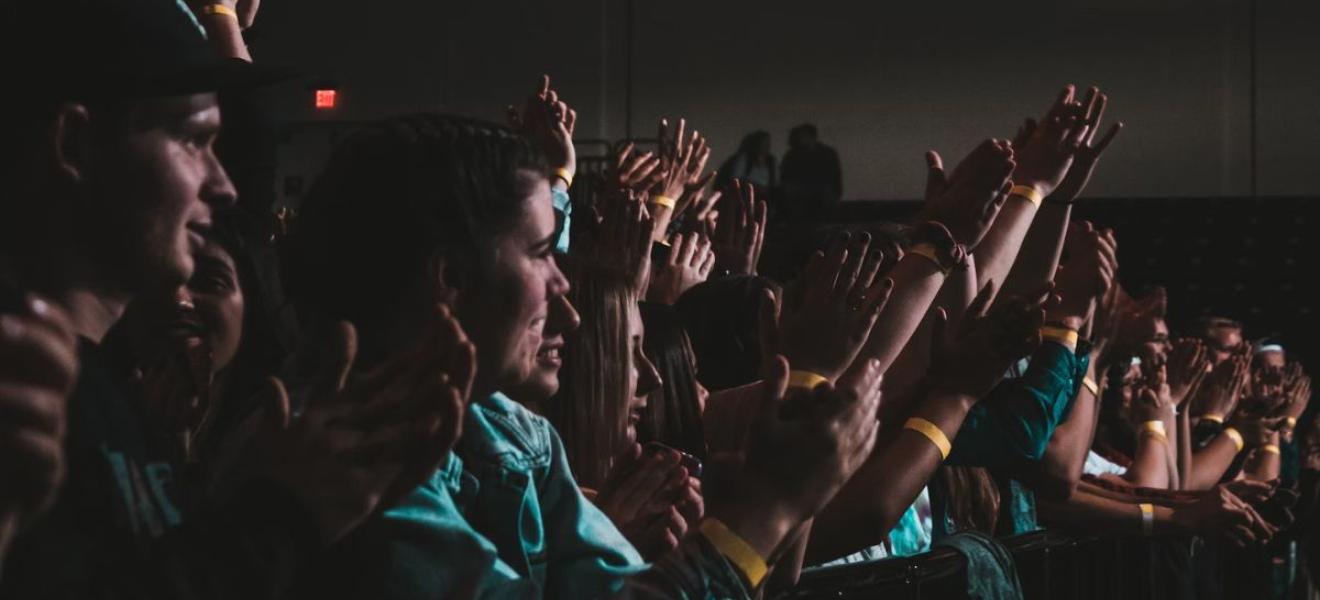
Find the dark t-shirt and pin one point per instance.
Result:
(118, 529)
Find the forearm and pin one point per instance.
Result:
(876, 497)
(225, 35)
(997, 252)
(1092, 513)
(904, 376)
(1041, 250)
(1263, 463)
(1184, 448)
(1149, 468)
(1066, 454)
(1210, 463)
(917, 280)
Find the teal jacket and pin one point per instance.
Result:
(505, 519)
(1016, 421)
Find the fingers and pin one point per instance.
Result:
(274, 400)
(936, 180)
(35, 351)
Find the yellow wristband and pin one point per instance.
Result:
(564, 174)
(664, 201)
(1157, 436)
(1155, 426)
(1213, 418)
(805, 379)
(219, 9)
(1061, 335)
(1028, 192)
(1271, 448)
(932, 433)
(734, 548)
(927, 252)
(1237, 438)
(1291, 422)
(1090, 386)
(1147, 518)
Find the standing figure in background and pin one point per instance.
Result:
(753, 163)
(812, 179)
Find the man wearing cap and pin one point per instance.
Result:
(111, 183)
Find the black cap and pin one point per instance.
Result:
(93, 49)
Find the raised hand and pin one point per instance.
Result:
(549, 123)
(1047, 153)
(968, 201)
(840, 301)
(38, 367)
(980, 349)
(1296, 393)
(360, 444)
(1154, 401)
(245, 10)
(1188, 365)
(635, 172)
(1086, 276)
(623, 242)
(1223, 387)
(1087, 155)
(652, 499)
(739, 230)
(690, 262)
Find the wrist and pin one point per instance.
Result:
(762, 525)
(1065, 319)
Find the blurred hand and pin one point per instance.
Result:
(1085, 277)
(623, 242)
(690, 262)
(1223, 387)
(740, 229)
(1219, 513)
(1188, 365)
(360, 445)
(1153, 401)
(38, 368)
(1087, 155)
(987, 341)
(968, 202)
(1047, 153)
(635, 172)
(840, 301)
(549, 123)
(652, 500)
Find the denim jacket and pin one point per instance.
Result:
(505, 518)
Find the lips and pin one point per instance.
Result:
(549, 353)
(197, 231)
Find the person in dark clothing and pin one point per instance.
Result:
(811, 179)
(114, 185)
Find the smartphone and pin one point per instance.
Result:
(692, 463)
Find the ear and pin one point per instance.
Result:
(445, 277)
(70, 139)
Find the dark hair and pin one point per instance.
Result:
(390, 198)
(805, 128)
(261, 352)
(589, 411)
(721, 318)
(673, 412)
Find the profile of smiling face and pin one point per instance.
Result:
(643, 377)
(505, 303)
(146, 182)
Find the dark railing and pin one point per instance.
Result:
(1051, 565)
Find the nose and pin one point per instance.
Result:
(563, 318)
(218, 190)
(648, 377)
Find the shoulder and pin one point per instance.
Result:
(502, 431)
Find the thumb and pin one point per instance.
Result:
(768, 313)
(337, 361)
(274, 398)
(936, 180)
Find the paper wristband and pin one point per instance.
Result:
(1028, 192)
(664, 201)
(1157, 436)
(563, 173)
(1147, 519)
(1155, 426)
(1213, 418)
(1270, 448)
(1090, 385)
(805, 379)
(927, 252)
(932, 433)
(219, 9)
(1063, 336)
(1291, 422)
(744, 557)
(1236, 437)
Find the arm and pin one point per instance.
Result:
(1066, 453)
(1042, 246)
(1184, 448)
(1149, 465)
(224, 26)
(1263, 462)
(1211, 462)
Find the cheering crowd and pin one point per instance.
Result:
(512, 379)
